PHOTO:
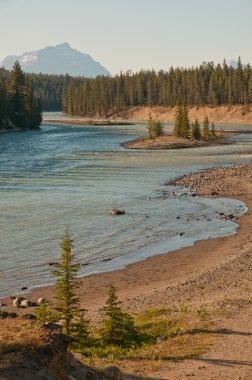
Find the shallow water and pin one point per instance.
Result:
(75, 175)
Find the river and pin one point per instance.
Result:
(73, 175)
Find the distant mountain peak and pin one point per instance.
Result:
(233, 63)
(59, 59)
(64, 45)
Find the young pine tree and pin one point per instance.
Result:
(67, 301)
(155, 129)
(213, 130)
(195, 133)
(80, 328)
(118, 327)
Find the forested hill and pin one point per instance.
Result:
(207, 84)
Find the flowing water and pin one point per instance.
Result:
(74, 175)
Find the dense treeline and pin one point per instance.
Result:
(207, 84)
(48, 88)
(19, 107)
(204, 85)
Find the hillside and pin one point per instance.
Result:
(238, 114)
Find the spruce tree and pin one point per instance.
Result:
(205, 129)
(67, 301)
(213, 130)
(17, 96)
(178, 119)
(155, 128)
(80, 328)
(118, 327)
(185, 124)
(195, 133)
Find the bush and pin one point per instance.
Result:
(118, 327)
(155, 129)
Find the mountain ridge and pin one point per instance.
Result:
(59, 60)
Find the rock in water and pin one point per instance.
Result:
(117, 211)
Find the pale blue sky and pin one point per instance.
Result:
(131, 34)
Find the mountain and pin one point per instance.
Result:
(59, 59)
(234, 63)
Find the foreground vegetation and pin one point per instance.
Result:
(157, 334)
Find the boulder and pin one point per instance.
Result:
(53, 326)
(29, 316)
(27, 303)
(117, 211)
(17, 301)
(41, 300)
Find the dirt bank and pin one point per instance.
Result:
(222, 114)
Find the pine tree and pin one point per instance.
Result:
(80, 328)
(44, 313)
(118, 327)
(213, 130)
(36, 118)
(195, 133)
(67, 301)
(155, 128)
(185, 124)
(205, 129)
(17, 96)
(178, 119)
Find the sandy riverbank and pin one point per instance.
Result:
(159, 279)
(237, 114)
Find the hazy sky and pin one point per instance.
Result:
(131, 34)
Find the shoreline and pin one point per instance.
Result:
(169, 277)
(167, 141)
(89, 122)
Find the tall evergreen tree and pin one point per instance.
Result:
(185, 123)
(67, 301)
(205, 134)
(178, 119)
(17, 96)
